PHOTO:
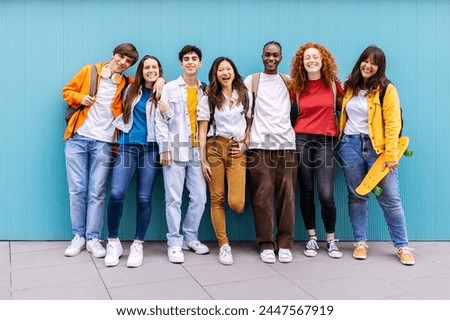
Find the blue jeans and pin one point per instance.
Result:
(174, 179)
(358, 156)
(87, 164)
(316, 158)
(131, 158)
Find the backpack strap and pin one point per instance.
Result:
(203, 86)
(336, 118)
(383, 89)
(92, 93)
(212, 121)
(285, 80)
(384, 86)
(94, 80)
(254, 90)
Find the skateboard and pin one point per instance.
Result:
(376, 174)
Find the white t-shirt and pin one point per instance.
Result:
(271, 128)
(98, 124)
(357, 114)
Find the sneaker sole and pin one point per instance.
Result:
(310, 254)
(74, 254)
(360, 257)
(335, 256)
(176, 260)
(226, 263)
(96, 255)
(196, 252)
(269, 261)
(407, 263)
(113, 264)
(134, 265)
(285, 260)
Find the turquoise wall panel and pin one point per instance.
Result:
(44, 43)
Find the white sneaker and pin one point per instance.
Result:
(95, 247)
(268, 256)
(284, 255)
(197, 247)
(113, 252)
(175, 254)
(76, 245)
(136, 256)
(225, 256)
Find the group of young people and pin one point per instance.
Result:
(209, 137)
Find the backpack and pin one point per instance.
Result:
(92, 91)
(383, 88)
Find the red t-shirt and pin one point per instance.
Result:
(316, 109)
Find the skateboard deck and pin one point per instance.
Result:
(376, 174)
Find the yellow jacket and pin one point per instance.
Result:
(384, 122)
(78, 87)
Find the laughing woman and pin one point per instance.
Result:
(223, 146)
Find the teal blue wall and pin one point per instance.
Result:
(45, 42)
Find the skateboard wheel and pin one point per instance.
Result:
(408, 153)
(377, 191)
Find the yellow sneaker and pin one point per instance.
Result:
(406, 256)
(360, 251)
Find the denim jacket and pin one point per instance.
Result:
(149, 111)
(173, 128)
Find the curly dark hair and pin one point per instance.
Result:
(299, 75)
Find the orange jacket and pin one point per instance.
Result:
(78, 87)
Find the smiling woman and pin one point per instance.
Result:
(316, 89)
(138, 154)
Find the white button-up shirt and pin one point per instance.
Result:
(230, 121)
(173, 128)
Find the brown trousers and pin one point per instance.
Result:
(272, 178)
(223, 166)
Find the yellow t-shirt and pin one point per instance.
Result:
(192, 101)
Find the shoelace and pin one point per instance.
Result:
(405, 251)
(225, 252)
(195, 244)
(312, 245)
(97, 245)
(332, 245)
(361, 244)
(284, 253)
(75, 242)
(111, 248)
(134, 250)
(269, 254)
